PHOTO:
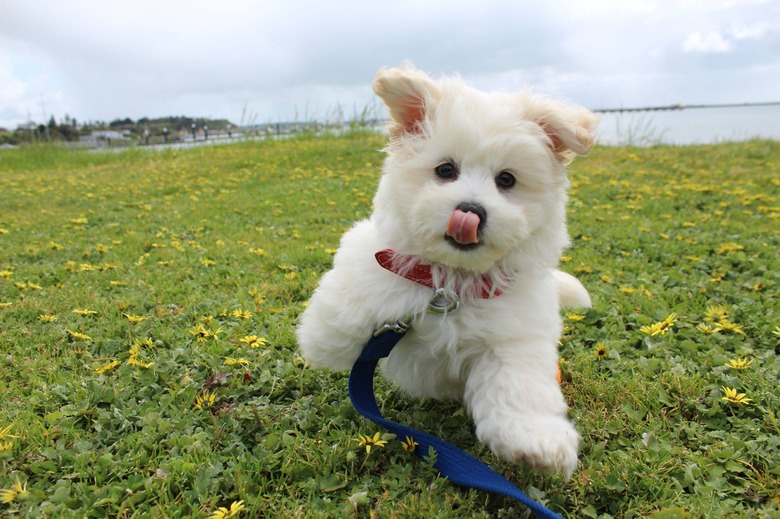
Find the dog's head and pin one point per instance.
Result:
(475, 180)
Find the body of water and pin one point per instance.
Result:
(690, 126)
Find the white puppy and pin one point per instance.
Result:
(473, 192)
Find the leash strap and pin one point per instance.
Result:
(454, 464)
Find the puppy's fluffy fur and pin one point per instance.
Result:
(497, 354)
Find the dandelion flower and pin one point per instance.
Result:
(775, 332)
(739, 363)
(574, 317)
(208, 262)
(227, 513)
(17, 491)
(242, 314)
(601, 351)
(47, 318)
(733, 397)
(368, 442)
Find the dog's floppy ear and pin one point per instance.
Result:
(408, 94)
(570, 128)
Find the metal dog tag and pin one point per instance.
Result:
(444, 301)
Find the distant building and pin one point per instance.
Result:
(98, 136)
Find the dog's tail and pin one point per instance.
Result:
(571, 293)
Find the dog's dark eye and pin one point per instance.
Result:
(446, 171)
(505, 180)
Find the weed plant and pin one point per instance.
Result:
(148, 365)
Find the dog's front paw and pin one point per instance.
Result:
(547, 443)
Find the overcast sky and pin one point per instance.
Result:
(294, 59)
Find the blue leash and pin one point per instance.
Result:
(454, 464)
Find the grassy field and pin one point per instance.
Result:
(148, 365)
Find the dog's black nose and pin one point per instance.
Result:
(477, 209)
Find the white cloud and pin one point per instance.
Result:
(711, 42)
(98, 60)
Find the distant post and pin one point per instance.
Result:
(205, 132)
(146, 136)
(230, 131)
(194, 129)
(165, 134)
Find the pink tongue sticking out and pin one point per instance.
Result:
(463, 227)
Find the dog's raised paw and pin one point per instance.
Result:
(548, 443)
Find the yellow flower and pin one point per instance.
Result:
(731, 396)
(775, 332)
(627, 290)
(83, 311)
(133, 361)
(409, 444)
(205, 399)
(5, 305)
(4, 433)
(242, 314)
(601, 351)
(253, 341)
(739, 363)
(17, 491)
(659, 328)
(78, 336)
(709, 329)
(107, 367)
(47, 318)
(208, 262)
(716, 313)
(230, 361)
(574, 317)
(368, 442)
(728, 326)
(134, 319)
(134, 350)
(728, 247)
(200, 332)
(227, 513)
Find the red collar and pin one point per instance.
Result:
(421, 273)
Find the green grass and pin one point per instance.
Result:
(212, 245)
